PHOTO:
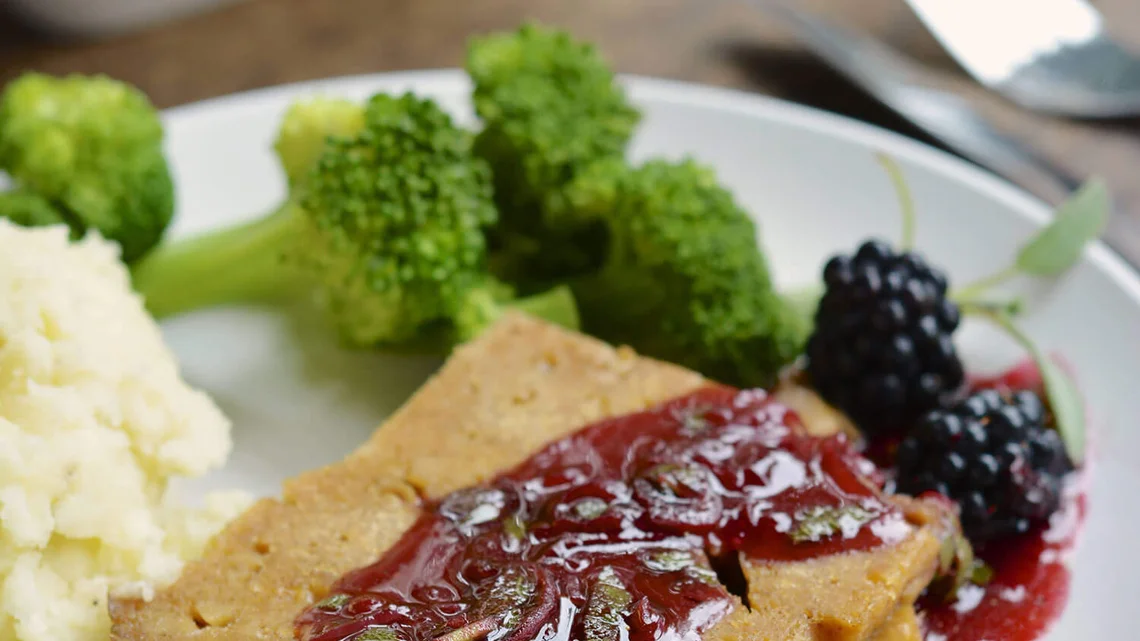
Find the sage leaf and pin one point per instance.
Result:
(669, 561)
(1079, 220)
(334, 602)
(1061, 392)
(470, 632)
(1067, 404)
(820, 522)
(590, 508)
(378, 633)
(957, 567)
(515, 527)
(606, 609)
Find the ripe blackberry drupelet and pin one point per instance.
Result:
(994, 455)
(882, 350)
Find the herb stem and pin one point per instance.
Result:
(1062, 395)
(984, 307)
(906, 200)
(971, 291)
(1003, 320)
(472, 631)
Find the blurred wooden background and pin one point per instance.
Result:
(722, 42)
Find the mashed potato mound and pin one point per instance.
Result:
(94, 422)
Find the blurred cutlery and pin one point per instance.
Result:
(1053, 56)
(895, 81)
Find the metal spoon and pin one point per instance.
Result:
(897, 82)
(1053, 56)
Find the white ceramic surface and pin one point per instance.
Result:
(810, 178)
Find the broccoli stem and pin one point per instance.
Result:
(482, 308)
(556, 306)
(239, 264)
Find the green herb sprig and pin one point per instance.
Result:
(379, 633)
(1047, 255)
(958, 566)
(821, 522)
(604, 617)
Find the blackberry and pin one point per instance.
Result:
(994, 455)
(883, 350)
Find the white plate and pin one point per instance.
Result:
(812, 182)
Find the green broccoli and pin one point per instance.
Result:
(550, 107)
(684, 278)
(386, 227)
(306, 127)
(246, 263)
(29, 209)
(91, 147)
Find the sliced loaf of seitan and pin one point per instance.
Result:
(497, 400)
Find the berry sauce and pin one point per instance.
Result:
(1030, 583)
(1029, 587)
(613, 532)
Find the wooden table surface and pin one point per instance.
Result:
(255, 43)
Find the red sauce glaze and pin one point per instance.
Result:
(1029, 588)
(1023, 376)
(1030, 583)
(632, 511)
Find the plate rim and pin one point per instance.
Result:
(710, 97)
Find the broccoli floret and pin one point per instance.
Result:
(396, 222)
(247, 263)
(550, 107)
(386, 227)
(92, 147)
(29, 209)
(305, 128)
(684, 278)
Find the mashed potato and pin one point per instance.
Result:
(94, 422)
